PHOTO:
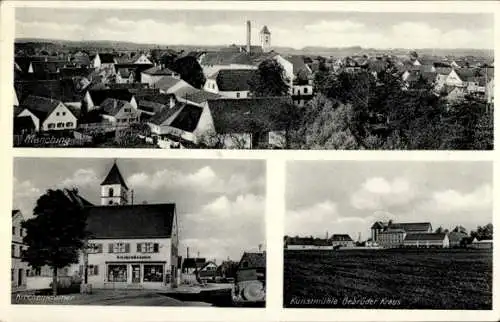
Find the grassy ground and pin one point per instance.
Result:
(392, 279)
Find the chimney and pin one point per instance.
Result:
(187, 253)
(249, 36)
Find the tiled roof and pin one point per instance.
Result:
(64, 90)
(124, 72)
(341, 237)
(167, 82)
(188, 118)
(246, 115)
(299, 66)
(228, 58)
(131, 221)
(70, 72)
(194, 95)
(40, 106)
(107, 58)
(234, 79)
(411, 227)
(424, 236)
(114, 177)
(254, 260)
(160, 117)
(112, 106)
(158, 71)
(99, 95)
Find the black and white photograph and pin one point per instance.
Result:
(247, 79)
(389, 235)
(138, 232)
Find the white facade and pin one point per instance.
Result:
(453, 79)
(18, 267)
(125, 263)
(114, 194)
(61, 118)
(143, 60)
(444, 243)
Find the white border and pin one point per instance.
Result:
(275, 171)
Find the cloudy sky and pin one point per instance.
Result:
(357, 193)
(220, 203)
(291, 29)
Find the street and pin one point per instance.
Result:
(105, 297)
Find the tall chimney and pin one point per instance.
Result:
(249, 36)
(187, 253)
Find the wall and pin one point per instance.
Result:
(61, 114)
(103, 259)
(309, 247)
(234, 94)
(453, 79)
(35, 119)
(117, 194)
(211, 86)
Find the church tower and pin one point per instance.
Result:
(265, 39)
(114, 190)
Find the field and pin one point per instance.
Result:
(389, 279)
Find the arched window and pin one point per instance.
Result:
(110, 202)
(110, 192)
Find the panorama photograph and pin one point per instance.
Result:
(243, 79)
(389, 235)
(138, 232)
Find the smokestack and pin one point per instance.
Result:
(187, 253)
(249, 35)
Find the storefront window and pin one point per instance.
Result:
(117, 273)
(153, 273)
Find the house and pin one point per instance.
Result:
(104, 61)
(208, 271)
(307, 243)
(69, 91)
(94, 97)
(427, 240)
(142, 59)
(19, 268)
(342, 240)
(231, 83)
(118, 111)
(130, 246)
(169, 84)
(391, 234)
(48, 114)
(248, 123)
(155, 73)
(152, 104)
(192, 264)
(482, 244)
(301, 77)
(125, 75)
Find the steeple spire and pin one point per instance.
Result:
(114, 190)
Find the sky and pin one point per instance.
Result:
(358, 193)
(220, 203)
(289, 29)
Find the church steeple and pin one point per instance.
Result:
(114, 190)
(265, 39)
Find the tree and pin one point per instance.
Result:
(56, 234)
(459, 229)
(439, 230)
(190, 71)
(270, 80)
(483, 232)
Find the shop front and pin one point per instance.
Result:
(138, 274)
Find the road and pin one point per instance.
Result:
(106, 297)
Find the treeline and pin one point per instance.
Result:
(361, 111)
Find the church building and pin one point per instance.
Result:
(130, 245)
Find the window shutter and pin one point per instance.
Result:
(99, 248)
(110, 247)
(80, 270)
(155, 247)
(96, 270)
(127, 248)
(139, 247)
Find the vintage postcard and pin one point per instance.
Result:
(389, 235)
(138, 232)
(246, 79)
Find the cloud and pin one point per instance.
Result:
(81, 178)
(320, 218)
(334, 26)
(452, 201)
(333, 33)
(224, 227)
(378, 193)
(203, 179)
(25, 195)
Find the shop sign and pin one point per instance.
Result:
(133, 257)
